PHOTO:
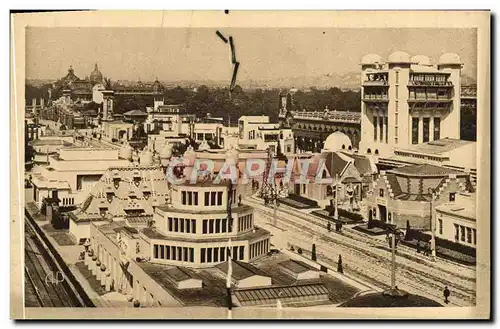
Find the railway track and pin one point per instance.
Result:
(45, 285)
(367, 259)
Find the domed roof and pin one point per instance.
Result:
(337, 141)
(449, 58)
(421, 60)
(96, 75)
(371, 59)
(166, 151)
(204, 146)
(157, 86)
(399, 57)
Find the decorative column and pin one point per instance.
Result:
(103, 269)
(420, 129)
(93, 263)
(431, 126)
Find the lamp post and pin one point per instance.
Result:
(336, 192)
(432, 225)
(393, 237)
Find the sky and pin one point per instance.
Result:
(174, 54)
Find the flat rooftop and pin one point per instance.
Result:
(437, 147)
(213, 292)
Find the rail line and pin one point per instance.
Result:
(370, 266)
(43, 277)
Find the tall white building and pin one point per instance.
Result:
(408, 101)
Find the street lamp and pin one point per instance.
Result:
(432, 226)
(393, 237)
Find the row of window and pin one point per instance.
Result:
(245, 222)
(68, 201)
(183, 225)
(466, 234)
(221, 254)
(425, 129)
(219, 225)
(378, 124)
(182, 254)
(190, 198)
(259, 248)
(208, 136)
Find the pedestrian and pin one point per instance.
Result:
(418, 247)
(446, 294)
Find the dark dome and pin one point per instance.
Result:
(96, 75)
(383, 300)
(157, 86)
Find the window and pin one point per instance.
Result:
(209, 255)
(207, 198)
(426, 129)
(176, 224)
(381, 127)
(191, 255)
(203, 250)
(212, 198)
(219, 198)
(222, 254)
(469, 235)
(437, 128)
(174, 253)
(397, 77)
(155, 251)
(217, 225)
(167, 249)
(414, 130)
(462, 233)
(375, 122)
(183, 193)
(440, 222)
(386, 121)
(195, 195)
(474, 235)
(190, 198)
(185, 251)
(381, 192)
(224, 225)
(242, 253)
(216, 254)
(452, 196)
(211, 226)
(162, 252)
(193, 225)
(188, 227)
(205, 226)
(456, 232)
(181, 220)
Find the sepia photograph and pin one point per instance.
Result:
(250, 165)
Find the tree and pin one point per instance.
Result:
(313, 252)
